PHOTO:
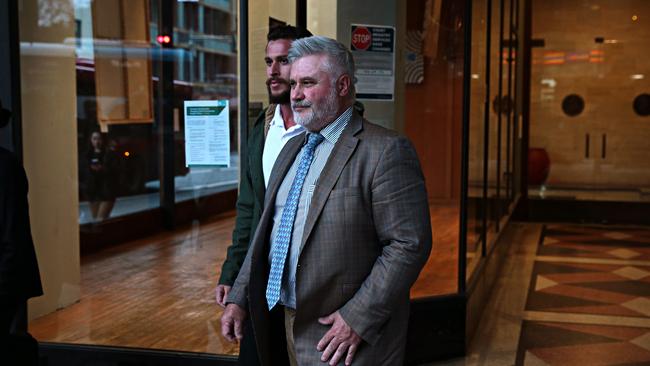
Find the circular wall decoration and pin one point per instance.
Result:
(642, 105)
(573, 105)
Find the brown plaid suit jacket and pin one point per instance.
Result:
(367, 236)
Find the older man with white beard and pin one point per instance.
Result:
(344, 233)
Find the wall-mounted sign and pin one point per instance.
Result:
(373, 48)
(207, 133)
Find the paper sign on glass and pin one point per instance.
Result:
(207, 133)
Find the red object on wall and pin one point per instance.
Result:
(539, 165)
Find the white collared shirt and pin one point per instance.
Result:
(276, 138)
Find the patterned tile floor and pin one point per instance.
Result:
(567, 295)
(589, 298)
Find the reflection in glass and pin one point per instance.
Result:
(494, 119)
(476, 201)
(583, 92)
(115, 106)
(205, 35)
(105, 58)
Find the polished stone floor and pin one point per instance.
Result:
(568, 295)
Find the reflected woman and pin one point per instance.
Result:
(100, 189)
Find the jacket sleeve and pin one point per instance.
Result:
(242, 233)
(400, 211)
(243, 223)
(239, 292)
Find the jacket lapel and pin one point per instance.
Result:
(339, 157)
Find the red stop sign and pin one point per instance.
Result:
(361, 38)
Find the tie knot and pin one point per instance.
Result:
(315, 139)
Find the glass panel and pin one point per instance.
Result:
(116, 119)
(432, 121)
(105, 57)
(205, 36)
(476, 177)
(589, 125)
(494, 118)
(512, 110)
(504, 113)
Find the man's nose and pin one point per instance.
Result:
(274, 69)
(296, 93)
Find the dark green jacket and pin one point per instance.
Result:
(250, 201)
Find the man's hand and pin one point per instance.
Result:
(231, 322)
(338, 341)
(222, 295)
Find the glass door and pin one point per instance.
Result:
(589, 104)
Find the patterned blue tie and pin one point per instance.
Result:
(283, 236)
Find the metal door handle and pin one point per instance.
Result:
(586, 146)
(604, 149)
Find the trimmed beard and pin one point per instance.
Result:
(319, 117)
(282, 98)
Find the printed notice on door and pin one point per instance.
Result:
(373, 48)
(207, 133)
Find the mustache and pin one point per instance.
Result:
(279, 80)
(302, 103)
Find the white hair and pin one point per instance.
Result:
(339, 60)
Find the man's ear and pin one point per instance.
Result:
(343, 85)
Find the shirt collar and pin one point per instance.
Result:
(278, 121)
(333, 131)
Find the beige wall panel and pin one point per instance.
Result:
(284, 10)
(322, 17)
(258, 28)
(50, 153)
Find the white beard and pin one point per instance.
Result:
(315, 118)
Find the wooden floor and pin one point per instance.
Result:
(159, 292)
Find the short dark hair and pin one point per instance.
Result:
(287, 32)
